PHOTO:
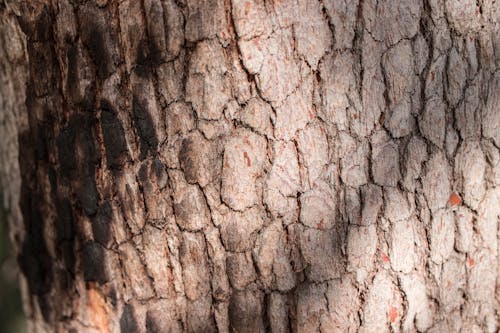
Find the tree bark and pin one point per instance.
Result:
(251, 166)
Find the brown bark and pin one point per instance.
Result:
(247, 166)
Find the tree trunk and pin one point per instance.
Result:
(251, 166)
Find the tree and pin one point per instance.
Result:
(253, 166)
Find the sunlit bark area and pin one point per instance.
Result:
(253, 166)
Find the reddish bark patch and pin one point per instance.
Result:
(385, 258)
(455, 199)
(249, 162)
(393, 314)
(256, 43)
(432, 76)
(321, 225)
(470, 261)
(247, 7)
(98, 310)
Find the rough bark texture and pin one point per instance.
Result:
(250, 166)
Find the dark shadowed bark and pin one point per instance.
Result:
(251, 166)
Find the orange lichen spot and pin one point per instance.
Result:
(455, 199)
(393, 314)
(98, 310)
(245, 156)
(470, 261)
(355, 116)
(385, 258)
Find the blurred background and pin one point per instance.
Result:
(12, 319)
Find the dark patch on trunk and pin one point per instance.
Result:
(65, 223)
(67, 252)
(245, 312)
(160, 173)
(65, 233)
(128, 321)
(87, 194)
(78, 155)
(43, 71)
(114, 137)
(156, 31)
(148, 56)
(86, 189)
(52, 179)
(72, 80)
(153, 323)
(187, 161)
(34, 259)
(94, 263)
(35, 21)
(155, 52)
(185, 210)
(65, 143)
(143, 174)
(97, 47)
(143, 122)
(95, 34)
(142, 65)
(26, 162)
(101, 224)
(35, 264)
(41, 133)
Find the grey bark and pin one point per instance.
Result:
(250, 166)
